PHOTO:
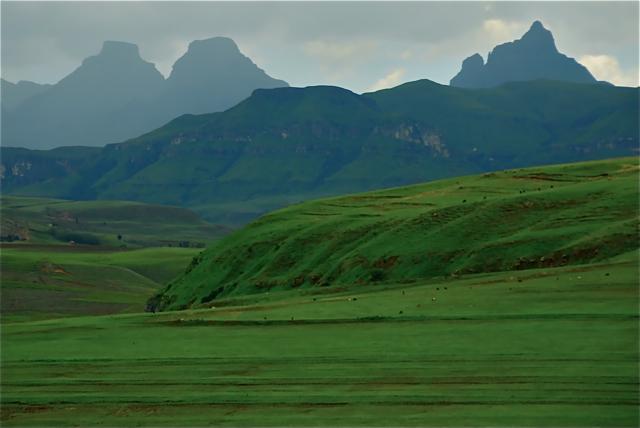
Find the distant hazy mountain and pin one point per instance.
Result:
(116, 95)
(532, 57)
(211, 76)
(88, 106)
(14, 94)
(291, 144)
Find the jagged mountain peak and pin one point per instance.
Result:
(117, 86)
(537, 37)
(533, 56)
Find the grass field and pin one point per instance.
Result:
(108, 223)
(516, 307)
(541, 347)
(48, 281)
(121, 253)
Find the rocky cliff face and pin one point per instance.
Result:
(532, 57)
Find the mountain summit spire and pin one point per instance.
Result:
(539, 37)
(533, 56)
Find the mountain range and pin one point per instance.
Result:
(116, 95)
(283, 145)
(286, 145)
(534, 56)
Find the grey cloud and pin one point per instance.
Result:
(45, 41)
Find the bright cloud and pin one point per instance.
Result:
(335, 52)
(406, 54)
(389, 81)
(501, 31)
(606, 67)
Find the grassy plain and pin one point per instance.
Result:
(540, 347)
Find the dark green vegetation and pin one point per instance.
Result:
(504, 221)
(539, 347)
(291, 144)
(107, 223)
(62, 258)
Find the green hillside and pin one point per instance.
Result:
(512, 220)
(107, 223)
(52, 281)
(287, 145)
(63, 258)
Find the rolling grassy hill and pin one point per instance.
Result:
(114, 264)
(292, 144)
(108, 223)
(512, 220)
(502, 299)
(52, 281)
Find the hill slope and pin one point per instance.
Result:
(511, 220)
(62, 258)
(291, 144)
(41, 282)
(106, 223)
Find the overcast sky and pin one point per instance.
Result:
(359, 45)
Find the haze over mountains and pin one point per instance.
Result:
(284, 145)
(117, 95)
(14, 94)
(532, 57)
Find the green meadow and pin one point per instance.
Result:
(70, 258)
(543, 347)
(40, 281)
(393, 340)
